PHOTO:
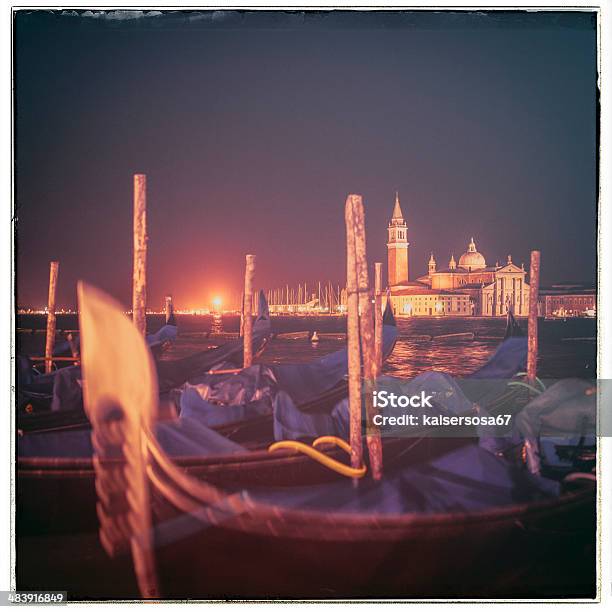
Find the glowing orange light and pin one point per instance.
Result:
(217, 301)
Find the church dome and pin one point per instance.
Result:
(472, 259)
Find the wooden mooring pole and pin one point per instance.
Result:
(139, 279)
(168, 308)
(352, 329)
(74, 351)
(51, 321)
(378, 318)
(532, 328)
(247, 325)
(366, 332)
(360, 328)
(241, 315)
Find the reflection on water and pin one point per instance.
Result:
(567, 348)
(559, 356)
(216, 325)
(458, 358)
(414, 353)
(299, 351)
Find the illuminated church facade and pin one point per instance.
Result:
(463, 288)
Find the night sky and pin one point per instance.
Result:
(253, 128)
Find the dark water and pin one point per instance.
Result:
(565, 349)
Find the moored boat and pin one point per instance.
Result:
(59, 394)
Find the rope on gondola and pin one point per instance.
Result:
(343, 444)
(539, 381)
(518, 383)
(322, 458)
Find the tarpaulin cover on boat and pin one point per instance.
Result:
(62, 388)
(509, 358)
(216, 399)
(451, 396)
(64, 347)
(463, 480)
(186, 436)
(196, 417)
(172, 374)
(447, 398)
(304, 382)
(565, 415)
(165, 334)
(251, 392)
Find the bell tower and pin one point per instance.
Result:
(431, 265)
(397, 247)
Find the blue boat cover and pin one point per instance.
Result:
(290, 423)
(509, 359)
(563, 415)
(251, 392)
(186, 436)
(305, 382)
(167, 333)
(466, 479)
(63, 347)
(173, 374)
(452, 396)
(62, 388)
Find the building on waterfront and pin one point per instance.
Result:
(567, 300)
(466, 287)
(415, 301)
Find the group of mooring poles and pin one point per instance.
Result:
(364, 330)
(364, 333)
(139, 276)
(139, 284)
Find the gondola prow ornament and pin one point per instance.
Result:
(120, 397)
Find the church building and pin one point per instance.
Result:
(463, 288)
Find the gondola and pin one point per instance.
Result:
(60, 389)
(429, 529)
(59, 397)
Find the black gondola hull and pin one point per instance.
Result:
(539, 550)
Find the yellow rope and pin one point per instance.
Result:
(343, 444)
(322, 458)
